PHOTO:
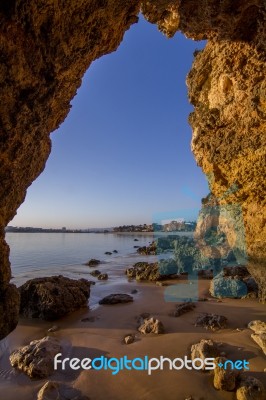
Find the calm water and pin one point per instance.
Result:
(44, 254)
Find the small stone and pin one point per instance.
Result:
(134, 291)
(102, 277)
(53, 328)
(183, 308)
(108, 253)
(115, 251)
(116, 298)
(151, 325)
(128, 339)
(211, 321)
(93, 262)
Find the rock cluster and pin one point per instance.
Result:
(211, 321)
(53, 297)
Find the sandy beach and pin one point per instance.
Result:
(103, 335)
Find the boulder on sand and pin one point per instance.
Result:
(116, 299)
(53, 297)
(36, 359)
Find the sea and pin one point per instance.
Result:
(34, 255)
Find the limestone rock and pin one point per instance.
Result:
(259, 336)
(183, 308)
(53, 297)
(151, 325)
(222, 286)
(211, 321)
(257, 326)
(116, 299)
(93, 262)
(9, 308)
(206, 348)
(55, 391)
(36, 359)
(250, 388)
(102, 277)
(147, 250)
(128, 339)
(224, 379)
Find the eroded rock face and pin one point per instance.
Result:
(36, 359)
(53, 297)
(45, 49)
(47, 46)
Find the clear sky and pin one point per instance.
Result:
(123, 153)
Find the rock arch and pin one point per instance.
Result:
(45, 48)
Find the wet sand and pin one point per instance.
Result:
(103, 334)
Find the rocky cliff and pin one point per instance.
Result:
(46, 47)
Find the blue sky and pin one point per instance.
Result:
(123, 153)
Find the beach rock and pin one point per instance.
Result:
(228, 286)
(257, 326)
(36, 359)
(134, 291)
(147, 250)
(224, 379)
(211, 321)
(143, 271)
(53, 297)
(183, 308)
(59, 391)
(115, 251)
(136, 240)
(136, 247)
(151, 325)
(250, 388)
(116, 299)
(128, 339)
(108, 253)
(93, 262)
(206, 348)
(259, 335)
(103, 277)
(95, 273)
